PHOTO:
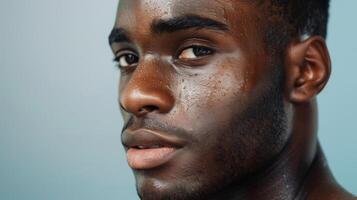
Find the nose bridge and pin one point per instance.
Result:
(147, 90)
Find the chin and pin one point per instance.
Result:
(171, 188)
(165, 184)
(156, 190)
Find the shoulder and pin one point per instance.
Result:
(346, 196)
(333, 193)
(323, 186)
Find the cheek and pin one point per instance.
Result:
(213, 95)
(218, 107)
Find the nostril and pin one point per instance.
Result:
(147, 109)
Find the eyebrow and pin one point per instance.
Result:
(186, 22)
(118, 35)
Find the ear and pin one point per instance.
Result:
(308, 68)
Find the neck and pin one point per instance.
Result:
(285, 177)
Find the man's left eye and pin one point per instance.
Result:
(195, 52)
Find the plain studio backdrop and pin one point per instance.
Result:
(59, 119)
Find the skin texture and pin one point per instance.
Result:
(246, 118)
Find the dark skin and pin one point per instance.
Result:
(202, 75)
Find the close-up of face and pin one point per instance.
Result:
(178, 100)
(200, 93)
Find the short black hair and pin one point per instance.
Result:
(296, 18)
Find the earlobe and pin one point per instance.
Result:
(308, 69)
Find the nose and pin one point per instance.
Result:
(140, 101)
(146, 92)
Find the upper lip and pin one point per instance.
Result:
(146, 138)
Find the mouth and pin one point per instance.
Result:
(148, 149)
(149, 158)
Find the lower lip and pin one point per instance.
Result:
(149, 158)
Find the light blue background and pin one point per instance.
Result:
(59, 119)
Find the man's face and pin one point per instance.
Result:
(200, 95)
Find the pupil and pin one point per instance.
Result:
(130, 59)
(201, 51)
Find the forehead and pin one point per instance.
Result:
(131, 12)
